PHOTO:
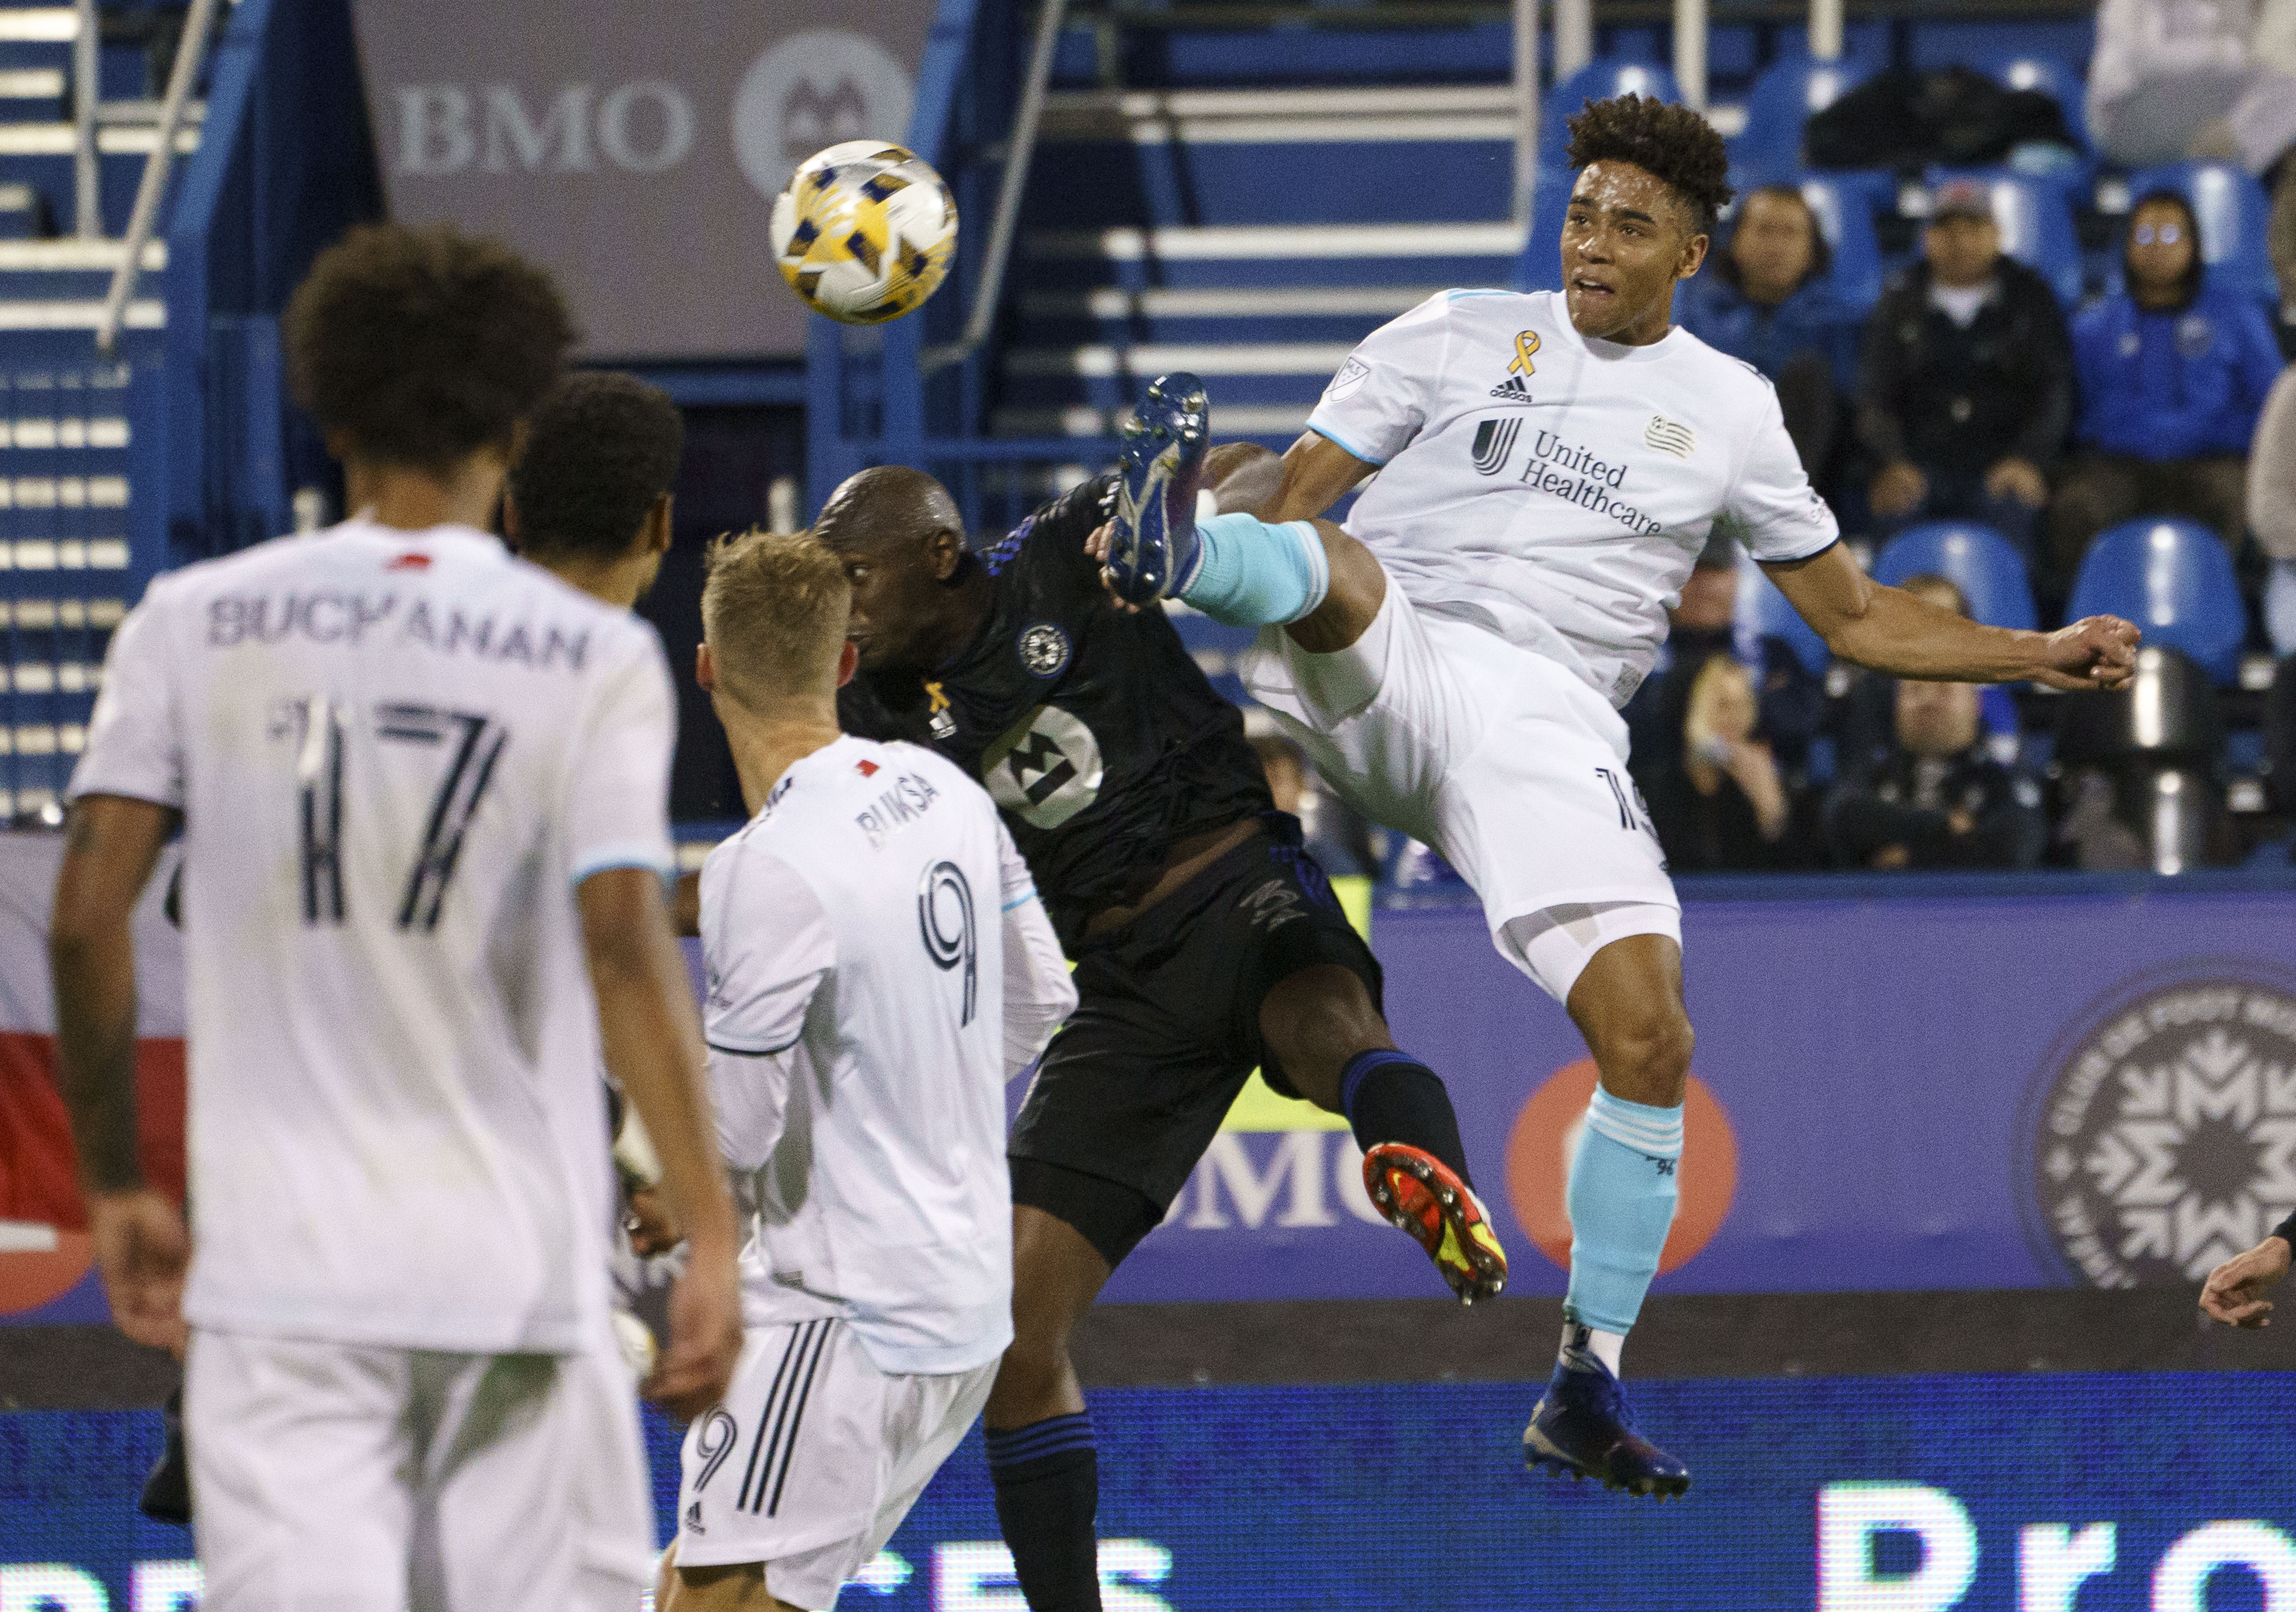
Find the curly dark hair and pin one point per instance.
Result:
(1673, 143)
(599, 450)
(423, 346)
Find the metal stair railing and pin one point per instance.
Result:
(190, 55)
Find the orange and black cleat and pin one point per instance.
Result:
(1421, 1194)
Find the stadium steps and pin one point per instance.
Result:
(65, 434)
(1252, 237)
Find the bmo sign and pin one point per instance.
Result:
(640, 129)
(634, 148)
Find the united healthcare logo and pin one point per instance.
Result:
(2162, 1129)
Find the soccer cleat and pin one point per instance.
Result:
(1419, 1194)
(1152, 552)
(1582, 1427)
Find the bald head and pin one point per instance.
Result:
(918, 595)
(885, 505)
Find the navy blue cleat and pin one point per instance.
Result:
(1152, 552)
(1582, 1427)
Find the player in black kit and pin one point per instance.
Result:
(1205, 941)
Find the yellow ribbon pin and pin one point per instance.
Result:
(939, 700)
(1526, 343)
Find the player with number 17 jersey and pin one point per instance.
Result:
(379, 736)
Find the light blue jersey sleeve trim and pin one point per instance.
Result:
(1021, 900)
(1329, 435)
(607, 857)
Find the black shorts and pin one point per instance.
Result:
(1166, 1032)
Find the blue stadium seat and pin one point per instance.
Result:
(1762, 613)
(2234, 215)
(2175, 581)
(1782, 101)
(2035, 216)
(1598, 80)
(1977, 560)
(1844, 205)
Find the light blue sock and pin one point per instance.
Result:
(1620, 1198)
(1250, 573)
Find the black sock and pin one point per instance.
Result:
(1392, 1096)
(1047, 1478)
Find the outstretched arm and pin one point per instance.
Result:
(1892, 631)
(111, 845)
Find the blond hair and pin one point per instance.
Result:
(774, 612)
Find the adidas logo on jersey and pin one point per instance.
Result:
(694, 1518)
(1513, 391)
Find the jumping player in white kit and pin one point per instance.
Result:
(423, 790)
(1547, 468)
(878, 965)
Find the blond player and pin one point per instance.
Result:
(878, 966)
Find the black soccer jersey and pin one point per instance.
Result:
(1094, 730)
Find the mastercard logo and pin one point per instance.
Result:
(1538, 1165)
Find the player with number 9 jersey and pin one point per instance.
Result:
(877, 966)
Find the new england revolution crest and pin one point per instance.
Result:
(2160, 1136)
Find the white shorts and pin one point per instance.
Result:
(1500, 759)
(814, 1458)
(361, 1479)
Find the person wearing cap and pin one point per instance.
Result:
(1965, 386)
(2172, 374)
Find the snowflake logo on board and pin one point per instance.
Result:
(2167, 1139)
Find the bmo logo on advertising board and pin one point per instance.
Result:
(807, 90)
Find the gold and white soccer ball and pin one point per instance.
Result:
(865, 232)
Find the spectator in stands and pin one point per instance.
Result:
(1722, 807)
(1868, 710)
(1766, 299)
(2172, 374)
(1966, 388)
(2272, 516)
(1935, 798)
(1699, 627)
(2173, 79)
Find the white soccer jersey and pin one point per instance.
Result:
(860, 981)
(1557, 489)
(396, 754)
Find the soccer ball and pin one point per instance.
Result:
(865, 232)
